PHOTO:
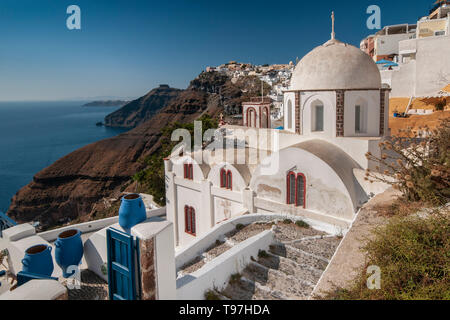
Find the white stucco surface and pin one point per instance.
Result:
(424, 67)
(36, 290)
(335, 65)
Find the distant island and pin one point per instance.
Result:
(106, 103)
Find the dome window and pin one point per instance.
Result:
(360, 118)
(318, 117)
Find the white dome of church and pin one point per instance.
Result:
(336, 65)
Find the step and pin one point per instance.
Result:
(325, 247)
(290, 267)
(246, 289)
(286, 233)
(277, 281)
(299, 256)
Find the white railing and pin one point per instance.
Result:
(93, 226)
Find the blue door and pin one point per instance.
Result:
(121, 265)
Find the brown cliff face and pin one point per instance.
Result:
(69, 188)
(138, 111)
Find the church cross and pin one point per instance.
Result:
(332, 26)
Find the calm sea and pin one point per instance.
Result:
(33, 135)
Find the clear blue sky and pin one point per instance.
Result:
(125, 48)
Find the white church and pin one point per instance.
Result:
(336, 111)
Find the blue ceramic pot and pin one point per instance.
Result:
(69, 250)
(132, 211)
(38, 260)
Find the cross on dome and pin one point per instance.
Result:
(333, 35)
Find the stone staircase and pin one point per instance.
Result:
(230, 239)
(289, 271)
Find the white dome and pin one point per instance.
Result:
(336, 65)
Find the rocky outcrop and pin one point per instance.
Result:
(106, 103)
(138, 111)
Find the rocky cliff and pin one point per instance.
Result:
(70, 188)
(138, 111)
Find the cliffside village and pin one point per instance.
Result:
(278, 76)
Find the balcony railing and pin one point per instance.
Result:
(5, 223)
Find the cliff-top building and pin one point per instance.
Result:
(335, 112)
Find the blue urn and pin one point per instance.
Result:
(132, 211)
(38, 260)
(69, 251)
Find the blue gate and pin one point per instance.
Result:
(5, 222)
(122, 265)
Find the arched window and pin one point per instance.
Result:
(223, 178)
(229, 180)
(300, 200)
(289, 115)
(189, 220)
(186, 170)
(251, 117)
(360, 118)
(226, 179)
(264, 119)
(296, 189)
(291, 188)
(317, 115)
(189, 171)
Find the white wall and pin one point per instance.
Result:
(388, 44)
(178, 168)
(427, 74)
(433, 64)
(165, 264)
(325, 191)
(308, 100)
(188, 196)
(226, 209)
(403, 80)
(370, 100)
(239, 183)
(212, 204)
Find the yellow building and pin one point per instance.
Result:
(430, 28)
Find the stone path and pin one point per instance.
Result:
(289, 271)
(92, 288)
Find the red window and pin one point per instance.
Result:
(229, 180)
(223, 178)
(226, 179)
(189, 220)
(188, 171)
(296, 189)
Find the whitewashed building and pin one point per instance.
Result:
(335, 112)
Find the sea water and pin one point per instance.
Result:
(33, 135)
